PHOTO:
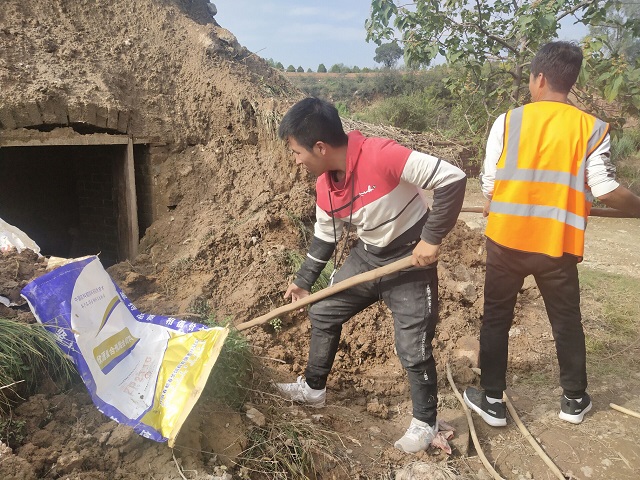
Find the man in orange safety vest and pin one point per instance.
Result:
(544, 164)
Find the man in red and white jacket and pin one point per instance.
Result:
(375, 185)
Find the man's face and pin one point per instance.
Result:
(312, 160)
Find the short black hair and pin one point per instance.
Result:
(313, 120)
(560, 62)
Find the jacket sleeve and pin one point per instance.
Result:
(326, 231)
(601, 172)
(495, 145)
(319, 254)
(447, 202)
(448, 184)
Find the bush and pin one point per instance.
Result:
(29, 354)
(626, 145)
(625, 155)
(416, 112)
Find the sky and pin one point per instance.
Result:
(301, 33)
(307, 33)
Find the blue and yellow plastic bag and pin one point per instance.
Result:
(146, 371)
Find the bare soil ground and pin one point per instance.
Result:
(62, 435)
(237, 203)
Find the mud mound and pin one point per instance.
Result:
(167, 68)
(16, 270)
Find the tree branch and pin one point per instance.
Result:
(491, 36)
(573, 10)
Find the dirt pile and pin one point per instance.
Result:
(58, 434)
(228, 198)
(167, 67)
(16, 270)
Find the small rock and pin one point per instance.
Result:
(468, 291)
(66, 463)
(514, 332)
(256, 417)
(468, 347)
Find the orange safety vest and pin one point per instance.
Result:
(539, 201)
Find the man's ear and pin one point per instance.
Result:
(543, 80)
(320, 147)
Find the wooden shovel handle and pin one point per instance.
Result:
(327, 292)
(595, 212)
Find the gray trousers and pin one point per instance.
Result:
(412, 297)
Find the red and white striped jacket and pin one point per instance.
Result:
(382, 197)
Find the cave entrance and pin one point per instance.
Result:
(73, 197)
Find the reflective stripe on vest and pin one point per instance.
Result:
(539, 201)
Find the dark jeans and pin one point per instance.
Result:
(412, 297)
(557, 280)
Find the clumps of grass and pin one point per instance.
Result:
(200, 307)
(284, 448)
(28, 354)
(625, 155)
(303, 231)
(290, 449)
(232, 371)
(12, 431)
(294, 260)
(625, 145)
(611, 316)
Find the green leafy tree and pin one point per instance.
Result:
(617, 39)
(309, 70)
(388, 54)
(492, 40)
(291, 68)
(300, 69)
(279, 66)
(322, 68)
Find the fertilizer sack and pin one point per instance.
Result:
(145, 371)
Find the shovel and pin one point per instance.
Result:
(595, 212)
(327, 292)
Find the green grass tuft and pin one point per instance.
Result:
(611, 317)
(294, 260)
(289, 449)
(231, 374)
(29, 354)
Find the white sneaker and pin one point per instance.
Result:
(418, 437)
(302, 393)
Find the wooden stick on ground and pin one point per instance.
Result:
(178, 465)
(527, 435)
(541, 453)
(472, 429)
(624, 410)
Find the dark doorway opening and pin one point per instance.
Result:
(71, 200)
